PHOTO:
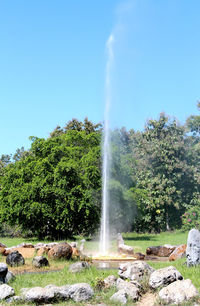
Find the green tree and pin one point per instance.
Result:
(193, 123)
(163, 171)
(54, 191)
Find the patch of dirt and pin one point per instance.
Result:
(148, 299)
(28, 268)
(26, 252)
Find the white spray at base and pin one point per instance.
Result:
(104, 233)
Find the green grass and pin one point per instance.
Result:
(142, 241)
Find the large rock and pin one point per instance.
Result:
(81, 292)
(9, 277)
(161, 251)
(164, 277)
(79, 266)
(61, 250)
(5, 275)
(38, 295)
(122, 248)
(125, 249)
(40, 261)
(178, 292)
(119, 297)
(135, 271)
(60, 293)
(15, 259)
(6, 291)
(193, 248)
(131, 290)
(178, 253)
(3, 272)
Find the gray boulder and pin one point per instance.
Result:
(60, 293)
(119, 297)
(5, 275)
(77, 292)
(40, 261)
(178, 292)
(15, 259)
(3, 272)
(164, 277)
(81, 292)
(122, 248)
(193, 248)
(135, 271)
(38, 295)
(125, 249)
(6, 292)
(79, 266)
(9, 277)
(131, 290)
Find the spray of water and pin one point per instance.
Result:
(104, 233)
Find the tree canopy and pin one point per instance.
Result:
(54, 188)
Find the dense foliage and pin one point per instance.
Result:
(54, 189)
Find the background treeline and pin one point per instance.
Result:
(53, 190)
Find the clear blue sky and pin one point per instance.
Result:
(52, 63)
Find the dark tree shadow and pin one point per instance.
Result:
(141, 238)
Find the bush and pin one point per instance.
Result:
(191, 219)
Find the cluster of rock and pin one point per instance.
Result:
(132, 276)
(191, 251)
(49, 294)
(173, 289)
(173, 252)
(54, 250)
(64, 250)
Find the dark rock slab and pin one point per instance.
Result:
(15, 259)
(40, 261)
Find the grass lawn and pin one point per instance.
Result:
(92, 276)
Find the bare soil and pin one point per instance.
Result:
(148, 299)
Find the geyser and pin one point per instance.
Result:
(104, 233)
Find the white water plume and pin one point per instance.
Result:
(104, 234)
